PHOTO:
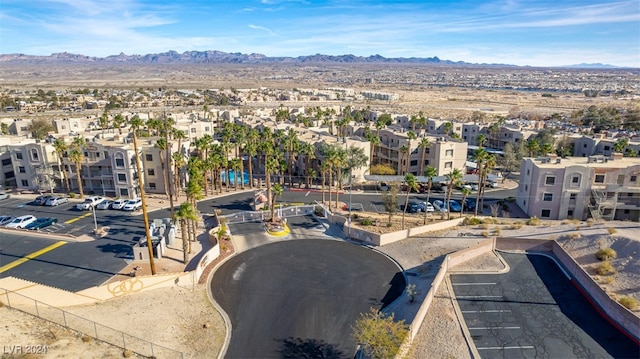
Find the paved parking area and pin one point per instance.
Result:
(534, 310)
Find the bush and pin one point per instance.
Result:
(366, 222)
(318, 211)
(515, 226)
(533, 221)
(485, 234)
(497, 231)
(484, 226)
(630, 303)
(605, 268)
(471, 221)
(590, 222)
(606, 254)
(72, 195)
(612, 230)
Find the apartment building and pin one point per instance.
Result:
(598, 187)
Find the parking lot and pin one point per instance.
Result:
(534, 310)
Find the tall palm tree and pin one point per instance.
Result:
(240, 141)
(309, 151)
(236, 165)
(481, 139)
(374, 142)
(424, 144)
(481, 156)
(118, 121)
(251, 149)
(161, 145)
(76, 155)
(277, 191)
(454, 179)
(291, 144)
(404, 151)
(339, 162)
(412, 184)
(324, 169)
(422, 120)
(411, 136)
(60, 147)
(136, 123)
(179, 162)
(489, 164)
(430, 173)
(465, 192)
(185, 214)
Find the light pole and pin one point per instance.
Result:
(95, 220)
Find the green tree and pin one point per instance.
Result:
(40, 128)
(185, 214)
(76, 155)
(277, 191)
(430, 173)
(424, 144)
(465, 193)
(380, 335)
(453, 179)
(59, 148)
(412, 185)
(532, 146)
(118, 121)
(620, 145)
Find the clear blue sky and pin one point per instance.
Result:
(520, 32)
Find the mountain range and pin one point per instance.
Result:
(220, 57)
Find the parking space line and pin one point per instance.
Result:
(478, 296)
(33, 255)
(78, 218)
(487, 311)
(491, 328)
(511, 347)
(473, 283)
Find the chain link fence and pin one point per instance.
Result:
(87, 327)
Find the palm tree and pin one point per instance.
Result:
(404, 151)
(430, 172)
(136, 123)
(251, 148)
(489, 164)
(412, 136)
(179, 161)
(412, 184)
(277, 191)
(454, 179)
(184, 214)
(309, 152)
(481, 139)
(448, 126)
(532, 146)
(76, 156)
(547, 148)
(60, 147)
(118, 121)
(620, 145)
(465, 192)
(291, 144)
(161, 145)
(424, 144)
(481, 155)
(236, 165)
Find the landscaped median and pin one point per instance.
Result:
(278, 229)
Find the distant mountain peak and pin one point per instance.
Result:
(591, 66)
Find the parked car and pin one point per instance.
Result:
(56, 201)
(21, 222)
(106, 204)
(5, 219)
(467, 186)
(41, 222)
(41, 200)
(412, 207)
(439, 206)
(133, 205)
(469, 204)
(474, 187)
(4, 195)
(119, 203)
(427, 207)
(90, 203)
(492, 184)
(454, 206)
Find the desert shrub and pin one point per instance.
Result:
(515, 226)
(366, 222)
(606, 254)
(72, 195)
(533, 221)
(318, 211)
(612, 230)
(497, 231)
(484, 226)
(630, 303)
(605, 268)
(485, 233)
(471, 221)
(389, 225)
(86, 338)
(608, 280)
(590, 222)
(574, 235)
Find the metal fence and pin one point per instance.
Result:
(257, 216)
(87, 327)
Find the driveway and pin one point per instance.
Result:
(302, 296)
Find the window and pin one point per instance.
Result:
(122, 177)
(550, 180)
(626, 211)
(34, 154)
(528, 172)
(6, 161)
(620, 180)
(151, 172)
(21, 169)
(584, 146)
(524, 202)
(206, 129)
(124, 192)
(152, 185)
(19, 155)
(632, 179)
(629, 194)
(149, 157)
(573, 196)
(193, 130)
(575, 180)
(119, 161)
(607, 148)
(448, 165)
(570, 213)
(25, 183)
(599, 179)
(414, 163)
(448, 153)
(545, 213)
(547, 197)
(526, 187)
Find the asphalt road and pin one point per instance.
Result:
(298, 297)
(535, 311)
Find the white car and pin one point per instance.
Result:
(21, 222)
(5, 219)
(133, 205)
(90, 203)
(427, 207)
(119, 203)
(4, 195)
(56, 201)
(106, 204)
